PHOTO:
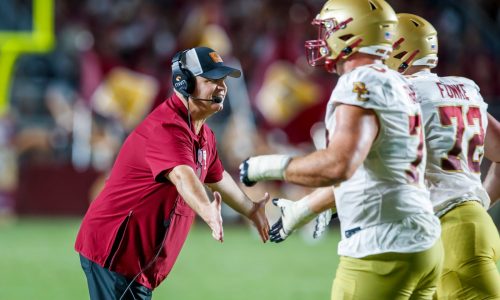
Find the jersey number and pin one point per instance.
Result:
(416, 129)
(452, 161)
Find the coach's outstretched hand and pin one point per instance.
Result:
(258, 216)
(293, 215)
(264, 167)
(215, 221)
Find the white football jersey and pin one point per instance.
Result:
(384, 206)
(455, 121)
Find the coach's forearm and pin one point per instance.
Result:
(192, 190)
(232, 195)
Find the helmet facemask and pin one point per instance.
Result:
(349, 26)
(317, 51)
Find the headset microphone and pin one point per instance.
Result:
(215, 99)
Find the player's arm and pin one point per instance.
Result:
(492, 140)
(193, 192)
(239, 201)
(356, 129)
(295, 214)
(492, 182)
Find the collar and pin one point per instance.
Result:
(377, 64)
(177, 104)
(424, 73)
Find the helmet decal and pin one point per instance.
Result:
(416, 44)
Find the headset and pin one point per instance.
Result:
(183, 79)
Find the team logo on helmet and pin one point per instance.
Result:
(178, 77)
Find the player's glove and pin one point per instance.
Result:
(264, 167)
(322, 220)
(294, 214)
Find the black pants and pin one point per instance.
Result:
(106, 285)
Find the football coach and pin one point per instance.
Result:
(134, 230)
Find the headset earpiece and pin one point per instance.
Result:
(183, 80)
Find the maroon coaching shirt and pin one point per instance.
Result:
(139, 210)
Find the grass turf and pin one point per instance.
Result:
(37, 261)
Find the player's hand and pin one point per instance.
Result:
(215, 221)
(279, 231)
(259, 219)
(263, 167)
(321, 222)
(293, 215)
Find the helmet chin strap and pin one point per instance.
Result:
(402, 68)
(331, 64)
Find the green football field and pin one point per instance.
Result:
(37, 261)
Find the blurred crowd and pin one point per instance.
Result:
(111, 66)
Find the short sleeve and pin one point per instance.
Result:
(361, 87)
(477, 93)
(168, 146)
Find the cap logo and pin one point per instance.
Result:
(178, 77)
(215, 57)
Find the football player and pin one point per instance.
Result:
(459, 131)
(375, 153)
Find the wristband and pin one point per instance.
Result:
(267, 167)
